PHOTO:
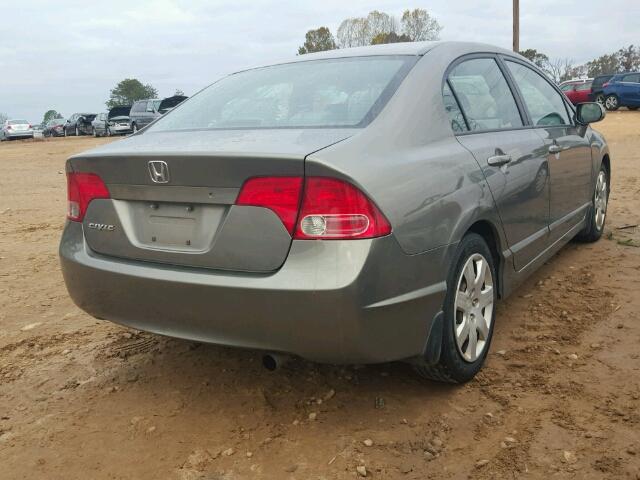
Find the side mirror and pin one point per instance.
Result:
(591, 112)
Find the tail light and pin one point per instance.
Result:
(280, 194)
(330, 209)
(81, 189)
(335, 209)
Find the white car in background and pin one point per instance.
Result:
(16, 129)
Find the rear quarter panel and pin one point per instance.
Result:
(409, 162)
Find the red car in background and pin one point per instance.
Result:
(578, 91)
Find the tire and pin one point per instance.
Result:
(459, 362)
(600, 98)
(597, 215)
(77, 131)
(611, 103)
(134, 128)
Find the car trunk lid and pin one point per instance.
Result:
(173, 196)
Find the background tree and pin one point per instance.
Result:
(128, 91)
(50, 115)
(354, 32)
(629, 58)
(317, 40)
(560, 69)
(539, 58)
(390, 37)
(604, 64)
(419, 25)
(3, 118)
(416, 25)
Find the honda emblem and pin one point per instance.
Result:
(159, 171)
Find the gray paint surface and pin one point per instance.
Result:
(342, 301)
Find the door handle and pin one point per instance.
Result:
(554, 148)
(498, 160)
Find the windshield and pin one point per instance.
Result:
(347, 92)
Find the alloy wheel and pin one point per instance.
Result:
(600, 200)
(474, 303)
(611, 103)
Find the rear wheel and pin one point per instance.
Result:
(611, 102)
(598, 211)
(469, 314)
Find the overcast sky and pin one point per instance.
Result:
(68, 54)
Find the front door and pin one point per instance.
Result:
(568, 151)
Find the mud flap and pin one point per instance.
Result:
(434, 342)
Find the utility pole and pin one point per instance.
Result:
(516, 26)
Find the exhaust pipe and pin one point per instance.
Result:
(273, 361)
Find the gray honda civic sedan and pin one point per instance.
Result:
(354, 206)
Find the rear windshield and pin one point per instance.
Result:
(346, 92)
(18, 122)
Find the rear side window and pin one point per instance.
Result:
(456, 118)
(484, 95)
(139, 107)
(567, 88)
(545, 105)
(583, 86)
(634, 78)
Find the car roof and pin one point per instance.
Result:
(402, 48)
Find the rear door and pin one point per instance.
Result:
(510, 155)
(567, 149)
(137, 112)
(630, 89)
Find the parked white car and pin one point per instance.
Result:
(16, 129)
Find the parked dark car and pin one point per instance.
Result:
(113, 122)
(359, 205)
(596, 94)
(622, 90)
(79, 124)
(54, 128)
(143, 112)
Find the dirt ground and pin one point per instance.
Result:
(81, 398)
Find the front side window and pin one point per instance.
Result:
(345, 92)
(545, 105)
(633, 78)
(484, 95)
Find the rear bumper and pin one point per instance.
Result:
(361, 301)
(119, 129)
(20, 134)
